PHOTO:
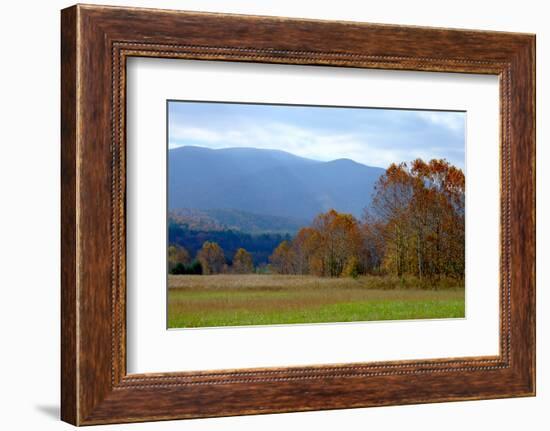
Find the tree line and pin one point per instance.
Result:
(191, 234)
(414, 226)
(210, 259)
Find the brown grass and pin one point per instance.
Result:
(276, 282)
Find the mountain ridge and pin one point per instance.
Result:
(269, 182)
(261, 150)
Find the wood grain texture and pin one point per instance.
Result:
(69, 397)
(96, 41)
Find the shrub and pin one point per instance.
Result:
(194, 269)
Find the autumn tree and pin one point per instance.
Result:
(332, 241)
(374, 245)
(211, 258)
(177, 255)
(242, 262)
(391, 203)
(305, 251)
(339, 240)
(282, 259)
(442, 195)
(419, 214)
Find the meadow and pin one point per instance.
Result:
(264, 299)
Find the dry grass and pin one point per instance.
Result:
(276, 281)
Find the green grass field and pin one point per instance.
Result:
(242, 300)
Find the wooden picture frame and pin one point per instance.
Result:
(95, 43)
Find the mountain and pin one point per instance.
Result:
(269, 182)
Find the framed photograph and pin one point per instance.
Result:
(263, 214)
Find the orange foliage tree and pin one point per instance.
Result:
(418, 219)
(211, 258)
(282, 259)
(324, 248)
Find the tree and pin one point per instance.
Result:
(282, 259)
(242, 262)
(322, 249)
(305, 251)
(418, 219)
(177, 257)
(442, 195)
(372, 232)
(391, 203)
(211, 258)
(339, 240)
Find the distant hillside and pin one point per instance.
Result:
(265, 182)
(231, 219)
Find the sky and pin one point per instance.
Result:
(372, 136)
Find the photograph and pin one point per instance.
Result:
(289, 214)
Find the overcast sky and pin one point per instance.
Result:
(374, 137)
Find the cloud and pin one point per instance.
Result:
(453, 121)
(375, 137)
(186, 133)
